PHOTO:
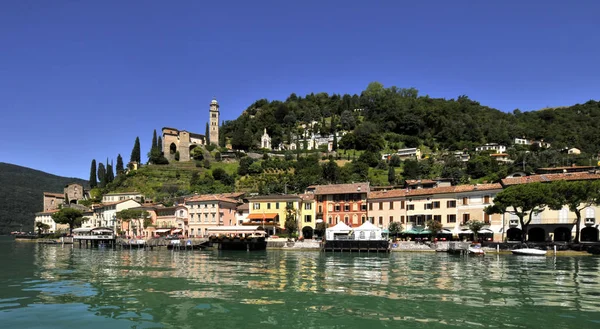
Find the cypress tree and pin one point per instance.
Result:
(101, 175)
(120, 168)
(93, 180)
(136, 155)
(207, 135)
(159, 144)
(392, 175)
(154, 141)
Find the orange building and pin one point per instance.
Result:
(341, 202)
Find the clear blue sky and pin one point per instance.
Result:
(81, 79)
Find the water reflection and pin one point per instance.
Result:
(314, 290)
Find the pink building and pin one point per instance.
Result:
(209, 211)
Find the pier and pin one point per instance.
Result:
(356, 246)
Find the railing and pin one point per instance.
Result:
(94, 237)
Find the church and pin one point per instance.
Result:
(183, 142)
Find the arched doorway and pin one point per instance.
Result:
(562, 234)
(589, 234)
(513, 234)
(307, 232)
(537, 234)
(172, 148)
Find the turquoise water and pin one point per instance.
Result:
(47, 286)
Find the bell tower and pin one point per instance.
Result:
(214, 122)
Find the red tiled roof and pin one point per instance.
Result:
(243, 207)
(275, 197)
(104, 204)
(47, 212)
(549, 178)
(307, 196)
(431, 191)
(499, 154)
(419, 181)
(210, 197)
(342, 188)
(56, 195)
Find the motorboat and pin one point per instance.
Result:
(476, 250)
(529, 252)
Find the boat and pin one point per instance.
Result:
(476, 250)
(529, 252)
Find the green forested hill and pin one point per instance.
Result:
(401, 117)
(21, 196)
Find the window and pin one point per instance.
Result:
(276, 205)
(370, 205)
(391, 219)
(320, 208)
(466, 218)
(435, 204)
(451, 218)
(427, 206)
(363, 207)
(337, 207)
(410, 207)
(290, 205)
(486, 199)
(380, 220)
(255, 206)
(402, 204)
(307, 206)
(402, 219)
(308, 218)
(465, 200)
(437, 218)
(451, 204)
(268, 205)
(486, 218)
(380, 205)
(391, 205)
(347, 207)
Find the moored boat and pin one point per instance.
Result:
(476, 249)
(529, 252)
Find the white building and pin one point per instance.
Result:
(105, 214)
(265, 141)
(497, 148)
(411, 152)
(114, 197)
(46, 218)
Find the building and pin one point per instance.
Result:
(497, 148)
(183, 142)
(265, 141)
(113, 197)
(308, 215)
(341, 202)
(242, 212)
(574, 151)
(75, 192)
(408, 153)
(553, 225)
(270, 211)
(180, 142)
(566, 169)
(46, 218)
(52, 201)
(526, 141)
(501, 157)
(214, 122)
(207, 211)
(105, 214)
(453, 206)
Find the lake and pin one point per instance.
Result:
(51, 286)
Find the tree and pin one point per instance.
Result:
(120, 168)
(395, 228)
(391, 175)
(347, 120)
(101, 175)
(154, 141)
(110, 174)
(206, 134)
(320, 229)
(159, 144)
(331, 171)
(395, 161)
(138, 216)
(93, 180)
(70, 216)
(434, 227)
(41, 227)
(291, 220)
(522, 200)
(412, 169)
(136, 155)
(577, 195)
(475, 226)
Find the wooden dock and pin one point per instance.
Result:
(356, 246)
(238, 243)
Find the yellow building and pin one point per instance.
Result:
(269, 211)
(307, 219)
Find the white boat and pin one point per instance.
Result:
(529, 252)
(476, 250)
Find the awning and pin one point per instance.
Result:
(81, 230)
(177, 230)
(445, 231)
(162, 230)
(416, 231)
(467, 231)
(486, 231)
(262, 216)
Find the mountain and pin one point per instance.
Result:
(21, 191)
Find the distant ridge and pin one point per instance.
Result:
(21, 194)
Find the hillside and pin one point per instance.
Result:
(21, 191)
